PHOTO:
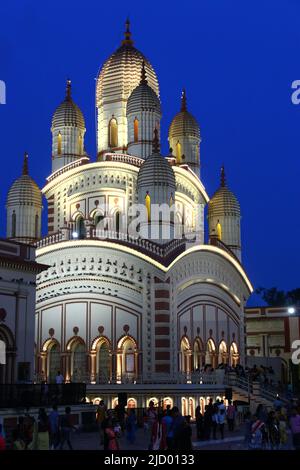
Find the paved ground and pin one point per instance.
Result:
(232, 441)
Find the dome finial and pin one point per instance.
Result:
(127, 41)
(183, 100)
(155, 142)
(144, 80)
(68, 90)
(223, 177)
(25, 164)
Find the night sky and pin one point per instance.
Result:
(236, 59)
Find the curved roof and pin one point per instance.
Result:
(143, 97)
(121, 73)
(24, 190)
(223, 202)
(68, 113)
(184, 123)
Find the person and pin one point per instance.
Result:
(66, 428)
(168, 422)
(257, 434)
(214, 419)
(248, 429)
(41, 431)
(178, 422)
(131, 426)
(277, 403)
(199, 422)
(17, 443)
(230, 415)
(59, 379)
(283, 431)
(111, 435)
(221, 418)
(273, 430)
(158, 435)
(207, 422)
(100, 417)
(2, 439)
(185, 441)
(151, 418)
(54, 428)
(295, 428)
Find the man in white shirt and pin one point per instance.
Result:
(59, 379)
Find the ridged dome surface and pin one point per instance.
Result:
(68, 114)
(24, 191)
(156, 171)
(143, 98)
(184, 124)
(223, 202)
(121, 74)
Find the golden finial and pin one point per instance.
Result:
(183, 100)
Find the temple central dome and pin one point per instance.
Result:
(121, 72)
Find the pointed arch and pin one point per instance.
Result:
(234, 354)
(178, 152)
(13, 224)
(113, 133)
(223, 352)
(127, 358)
(219, 231)
(185, 354)
(148, 205)
(198, 351)
(136, 130)
(59, 142)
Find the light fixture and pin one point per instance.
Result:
(291, 310)
(74, 235)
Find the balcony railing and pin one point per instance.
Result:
(199, 378)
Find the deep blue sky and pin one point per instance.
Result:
(237, 60)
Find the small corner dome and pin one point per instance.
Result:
(24, 190)
(184, 123)
(156, 171)
(68, 113)
(223, 202)
(143, 97)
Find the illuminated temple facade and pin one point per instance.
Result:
(136, 314)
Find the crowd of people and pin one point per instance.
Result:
(164, 429)
(268, 429)
(44, 433)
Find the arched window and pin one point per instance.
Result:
(185, 365)
(59, 143)
(80, 227)
(210, 353)
(80, 144)
(13, 224)
(53, 357)
(178, 152)
(113, 133)
(78, 364)
(234, 354)
(222, 352)
(36, 226)
(148, 205)
(197, 356)
(127, 359)
(136, 130)
(103, 359)
(219, 230)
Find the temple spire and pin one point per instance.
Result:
(183, 100)
(127, 34)
(25, 164)
(155, 142)
(144, 80)
(68, 90)
(223, 177)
